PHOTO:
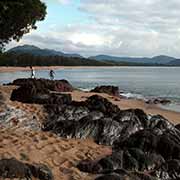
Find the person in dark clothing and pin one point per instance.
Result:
(32, 72)
(51, 74)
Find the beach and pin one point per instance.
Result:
(23, 137)
(21, 141)
(16, 69)
(122, 102)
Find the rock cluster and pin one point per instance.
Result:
(111, 90)
(158, 101)
(12, 168)
(150, 145)
(44, 84)
(41, 91)
(144, 147)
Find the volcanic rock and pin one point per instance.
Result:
(29, 94)
(44, 84)
(12, 168)
(158, 101)
(111, 90)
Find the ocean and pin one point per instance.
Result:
(133, 82)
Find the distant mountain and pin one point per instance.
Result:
(111, 60)
(36, 51)
(175, 62)
(154, 60)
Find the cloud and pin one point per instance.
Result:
(122, 28)
(64, 2)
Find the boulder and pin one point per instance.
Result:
(98, 103)
(111, 90)
(41, 171)
(12, 168)
(178, 126)
(29, 94)
(158, 101)
(44, 84)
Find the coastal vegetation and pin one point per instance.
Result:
(18, 18)
(23, 60)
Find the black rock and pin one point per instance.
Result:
(29, 94)
(44, 84)
(101, 104)
(111, 90)
(144, 147)
(41, 171)
(12, 168)
(158, 101)
(110, 177)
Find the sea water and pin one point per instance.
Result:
(133, 82)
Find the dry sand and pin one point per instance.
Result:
(60, 155)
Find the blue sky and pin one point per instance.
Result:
(113, 27)
(61, 14)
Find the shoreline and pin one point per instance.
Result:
(4, 69)
(124, 104)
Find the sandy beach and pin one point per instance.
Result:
(123, 104)
(59, 154)
(14, 69)
(19, 140)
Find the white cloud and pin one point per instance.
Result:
(118, 27)
(87, 39)
(64, 2)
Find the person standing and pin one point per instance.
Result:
(32, 72)
(51, 74)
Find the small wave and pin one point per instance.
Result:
(172, 106)
(85, 89)
(133, 96)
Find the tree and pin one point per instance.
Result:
(18, 17)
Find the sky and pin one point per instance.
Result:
(135, 28)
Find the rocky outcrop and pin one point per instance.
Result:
(12, 168)
(123, 175)
(29, 94)
(111, 90)
(92, 118)
(40, 91)
(154, 150)
(44, 84)
(40, 171)
(158, 101)
(141, 143)
(144, 147)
